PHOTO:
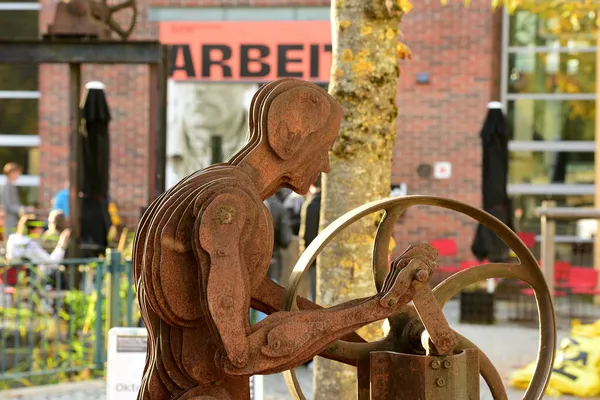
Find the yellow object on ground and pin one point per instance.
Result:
(577, 365)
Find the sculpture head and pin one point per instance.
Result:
(297, 126)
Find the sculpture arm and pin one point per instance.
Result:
(220, 234)
(269, 294)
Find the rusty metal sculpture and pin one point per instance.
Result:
(90, 19)
(201, 255)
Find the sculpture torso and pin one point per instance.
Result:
(172, 269)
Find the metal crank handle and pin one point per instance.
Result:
(416, 270)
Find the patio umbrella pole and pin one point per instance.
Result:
(73, 250)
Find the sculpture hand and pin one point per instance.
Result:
(417, 263)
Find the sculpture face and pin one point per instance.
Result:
(315, 160)
(301, 124)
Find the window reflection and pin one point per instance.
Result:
(552, 73)
(576, 246)
(542, 168)
(526, 220)
(548, 28)
(29, 195)
(549, 120)
(28, 157)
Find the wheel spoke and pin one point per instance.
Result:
(381, 246)
(527, 271)
(459, 281)
(291, 381)
(531, 274)
(121, 6)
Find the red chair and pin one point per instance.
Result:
(583, 281)
(528, 238)
(562, 271)
(446, 247)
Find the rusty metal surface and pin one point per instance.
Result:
(452, 377)
(82, 52)
(202, 252)
(408, 333)
(91, 19)
(203, 248)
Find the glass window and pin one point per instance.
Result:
(526, 220)
(550, 120)
(542, 168)
(19, 116)
(27, 157)
(549, 28)
(576, 247)
(29, 195)
(552, 73)
(19, 24)
(19, 76)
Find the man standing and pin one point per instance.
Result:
(311, 212)
(10, 198)
(282, 231)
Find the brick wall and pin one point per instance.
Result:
(440, 121)
(437, 122)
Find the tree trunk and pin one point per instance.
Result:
(364, 78)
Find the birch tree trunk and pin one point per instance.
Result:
(364, 79)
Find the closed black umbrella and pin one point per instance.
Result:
(494, 140)
(95, 171)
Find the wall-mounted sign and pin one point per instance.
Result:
(248, 50)
(442, 170)
(399, 190)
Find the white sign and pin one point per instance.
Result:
(399, 190)
(442, 170)
(125, 362)
(126, 359)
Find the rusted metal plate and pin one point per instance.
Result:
(414, 377)
(91, 19)
(201, 256)
(84, 52)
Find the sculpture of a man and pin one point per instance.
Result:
(202, 251)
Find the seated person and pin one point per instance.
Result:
(21, 245)
(57, 223)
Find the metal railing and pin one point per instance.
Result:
(549, 214)
(54, 319)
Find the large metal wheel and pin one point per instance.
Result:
(407, 320)
(107, 15)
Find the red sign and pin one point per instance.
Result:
(248, 51)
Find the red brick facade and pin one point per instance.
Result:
(437, 122)
(440, 121)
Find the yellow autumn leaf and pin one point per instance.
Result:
(345, 24)
(405, 6)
